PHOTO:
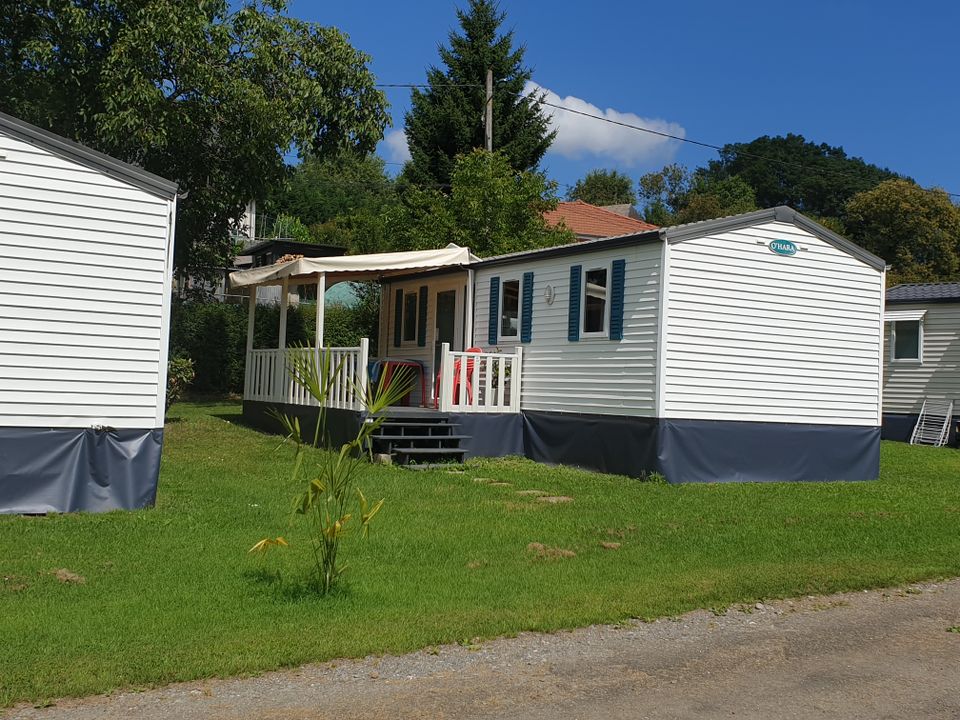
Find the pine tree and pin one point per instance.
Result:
(446, 119)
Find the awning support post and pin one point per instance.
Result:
(321, 291)
(468, 319)
(248, 360)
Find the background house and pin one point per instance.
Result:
(921, 357)
(589, 222)
(86, 245)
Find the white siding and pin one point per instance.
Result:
(906, 384)
(84, 273)
(410, 350)
(751, 335)
(591, 375)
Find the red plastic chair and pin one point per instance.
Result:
(456, 379)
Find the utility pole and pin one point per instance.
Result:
(488, 111)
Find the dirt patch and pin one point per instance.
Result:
(620, 533)
(610, 545)
(500, 484)
(555, 499)
(69, 577)
(530, 492)
(546, 552)
(13, 583)
(476, 564)
(484, 480)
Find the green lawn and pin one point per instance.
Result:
(171, 593)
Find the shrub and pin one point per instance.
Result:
(180, 374)
(214, 334)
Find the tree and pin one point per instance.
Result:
(675, 195)
(491, 208)
(604, 187)
(789, 170)
(324, 189)
(208, 94)
(446, 119)
(917, 231)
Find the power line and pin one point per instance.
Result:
(717, 148)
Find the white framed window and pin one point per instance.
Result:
(410, 317)
(510, 308)
(595, 302)
(906, 341)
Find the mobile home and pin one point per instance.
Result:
(921, 359)
(86, 246)
(744, 348)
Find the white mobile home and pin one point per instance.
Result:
(744, 348)
(86, 248)
(922, 353)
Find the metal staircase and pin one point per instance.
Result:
(933, 425)
(421, 441)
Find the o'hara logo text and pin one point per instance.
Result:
(782, 247)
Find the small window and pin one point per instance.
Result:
(907, 340)
(510, 308)
(409, 317)
(595, 292)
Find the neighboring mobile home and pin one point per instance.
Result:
(922, 354)
(744, 348)
(86, 248)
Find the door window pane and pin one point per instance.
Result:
(510, 308)
(906, 345)
(410, 317)
(595, 301)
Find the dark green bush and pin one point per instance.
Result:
(214, 334)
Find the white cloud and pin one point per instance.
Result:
(395, 143)
(579, 136)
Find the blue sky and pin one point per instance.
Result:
(878, 78)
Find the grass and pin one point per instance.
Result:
(170, 593)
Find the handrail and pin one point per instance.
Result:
(478, 382)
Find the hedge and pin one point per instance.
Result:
(214, 335)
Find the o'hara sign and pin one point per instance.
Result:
(782, 247)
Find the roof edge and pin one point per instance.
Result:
(780, 213)
(573, 248)
(83, 155)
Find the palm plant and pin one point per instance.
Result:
(327, 495)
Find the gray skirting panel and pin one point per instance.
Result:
(65, 470)
(682, 450)
(900, 427)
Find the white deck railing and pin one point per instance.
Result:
(480, 382)
(268, 379)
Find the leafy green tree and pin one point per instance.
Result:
(446, 119)
(323, 189)
(814, 178)
(209, 94)
(709, 198)
(604, 187)
(917, 231)
(491, 209)
(675, 195)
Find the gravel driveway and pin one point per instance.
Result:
(876, 654)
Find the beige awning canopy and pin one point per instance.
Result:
(354, 267)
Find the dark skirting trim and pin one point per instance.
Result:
(493, 435)
(723, 451)
(900, 427)
(621, 445)
(65, 470)
(342, 426)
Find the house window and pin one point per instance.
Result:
(907, 340)
(510, 308)
(409, 317)
(595, 305)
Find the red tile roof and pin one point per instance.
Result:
(591, 221)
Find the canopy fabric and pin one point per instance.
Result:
(354, 267)
(901, 315)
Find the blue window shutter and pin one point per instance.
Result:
(493, 325)
(526, 309)
(573, 319)
(422, 318)
(616, 299)
(398, 318)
